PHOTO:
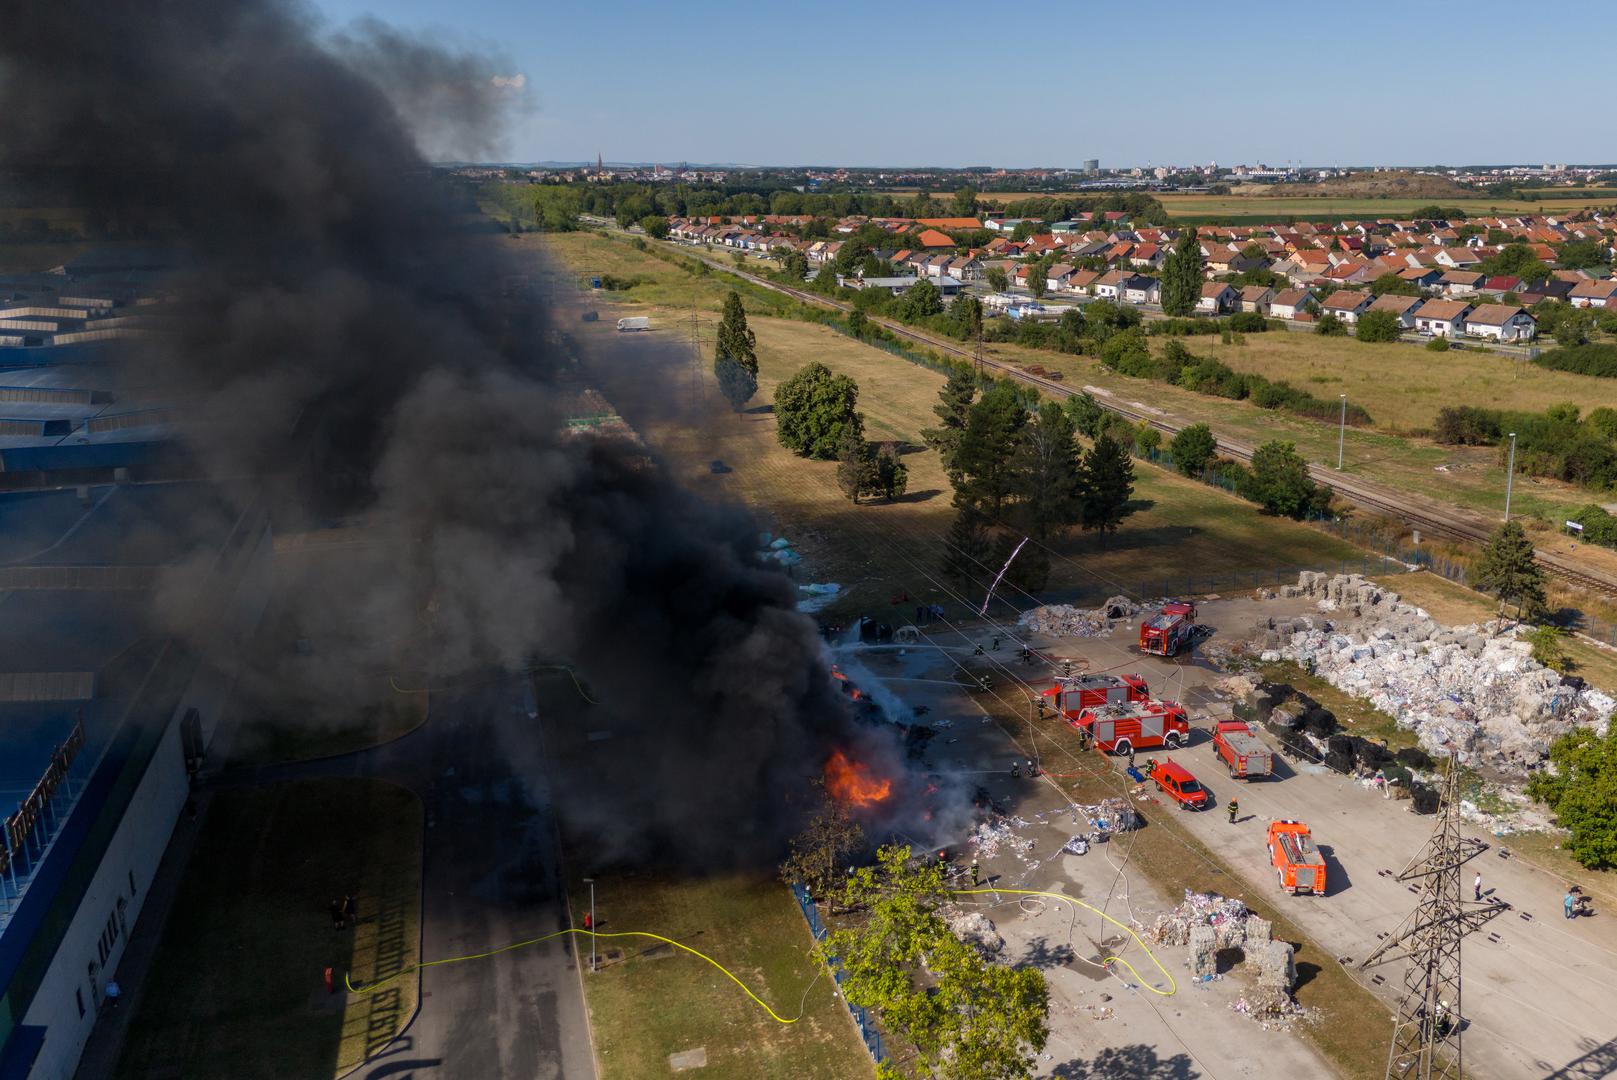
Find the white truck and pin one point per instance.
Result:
(634, 322)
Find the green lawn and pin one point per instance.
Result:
(1264, 209)
(649, 1001)
(235, 991)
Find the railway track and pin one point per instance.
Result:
(1431, 518)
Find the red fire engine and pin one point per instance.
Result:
(1072, 696)
(1169, 630)
(1134, 725)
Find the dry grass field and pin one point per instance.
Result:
(880, 550)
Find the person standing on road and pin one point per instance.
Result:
(336, 915)
(1476, 886)
(1569, 904)
(1234, 808)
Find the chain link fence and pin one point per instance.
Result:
(861, 1016)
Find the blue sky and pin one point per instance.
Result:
(945, 83)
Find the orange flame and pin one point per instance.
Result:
(851, 782)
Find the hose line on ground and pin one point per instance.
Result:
(1173, 987)
(377, 985)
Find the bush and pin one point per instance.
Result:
(1598, 360)
(1330, 326)
(1582, 792)
(1467, 425)
(1439, 343)
(1249, 322)
(1378, 326)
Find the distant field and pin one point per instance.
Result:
(1257, 208)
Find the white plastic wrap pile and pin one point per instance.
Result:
(976, 929)
(1063, 620)
(1226, 917)
(1474, 689)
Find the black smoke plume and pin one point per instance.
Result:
(337, 328)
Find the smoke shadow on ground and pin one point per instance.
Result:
(1136, 1061)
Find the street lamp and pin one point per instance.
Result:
(591, 883)
(1341, 433)
(1510, 474)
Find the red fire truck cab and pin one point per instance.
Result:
(1134, 725)
(1070, 697)
(1169, 630)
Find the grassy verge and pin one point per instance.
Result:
(649, 1001)
(1350, 1026)
(235, 991)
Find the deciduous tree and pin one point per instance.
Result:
(818, 852)
(1379, 326)
(1193, 448)
(813, 409)
(1279, 481)
(1581, 788)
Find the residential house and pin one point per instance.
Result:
(1401, 306)
(1353, 272)
(1500, 284)
(1057, 276)
(1501, 322)
(1139, 289)
(1146, 256)
(1460, 282)
(1347, 305)
(1597, 294)
(1289, 303)
(1109, 286)
(1457, 258)
(1442, 318)
(1083, 281)
(966, 268)
(1257, 298)
(1217, 298)
(932, 238)
(1422, 277)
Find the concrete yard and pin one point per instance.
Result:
(1540, 993)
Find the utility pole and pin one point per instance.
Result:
(1428, 1023)
(1341, 433)
(1510, 474)
(593, 924)
(979, 349)
(698, 392)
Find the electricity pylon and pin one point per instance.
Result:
(1426, 1038)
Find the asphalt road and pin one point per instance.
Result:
(492, 877)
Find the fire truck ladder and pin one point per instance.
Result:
(1428, 1023)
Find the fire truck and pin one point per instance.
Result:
(1299, 866)
(1134, 725)
(1070, 697)
(1169, 630)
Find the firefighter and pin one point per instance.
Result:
(1234, 808)
(1131, 755)
(1016, 770)
(1032, 770)
(975, 874)
(1027, 655)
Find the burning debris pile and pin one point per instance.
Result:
(1063, 620)
(1473, 689)
(853, 783)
